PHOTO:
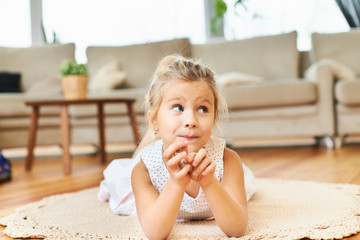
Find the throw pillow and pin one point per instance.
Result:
(339, 70)
(109, 76)
(46, 84)
(9, 82)
(232, 78)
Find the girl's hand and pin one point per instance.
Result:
(172, 157)
(204, 167)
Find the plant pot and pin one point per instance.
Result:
(74, 87)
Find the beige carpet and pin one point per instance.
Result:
(281, 209)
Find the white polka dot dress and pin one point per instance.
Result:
(116, 186)
(191, 208)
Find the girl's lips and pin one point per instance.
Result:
(190, 137)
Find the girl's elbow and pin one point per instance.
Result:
(238, 230)
(236, 233)
(156, 236)
(156, 233)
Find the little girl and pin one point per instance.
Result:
(186, 174)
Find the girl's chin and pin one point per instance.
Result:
(193, 148)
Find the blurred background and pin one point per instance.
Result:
(119, 22)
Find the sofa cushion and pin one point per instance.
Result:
(139, 61)
(342, 47)
(347, 92)
(108, 77)
(34, 62)
(233, 78)
(271, 94)
(273, 57)
(10, 82)
(24, 122)
(13, 104)
(273, 112)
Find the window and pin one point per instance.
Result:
(15, 24)
(119, 22)
(264, 17)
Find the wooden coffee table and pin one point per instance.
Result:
(65, 125)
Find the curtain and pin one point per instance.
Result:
(351, 11)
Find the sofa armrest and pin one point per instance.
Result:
(322, 75)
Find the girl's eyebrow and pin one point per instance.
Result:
(207, 100)
(173, 99)
(203, 99)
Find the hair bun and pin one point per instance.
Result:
(166, 62)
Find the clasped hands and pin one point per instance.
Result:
(184, 166)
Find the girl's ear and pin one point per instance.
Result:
(151, 121)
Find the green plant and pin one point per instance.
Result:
(218, 19)
(55, 38)
(220, 10)
(71, 67)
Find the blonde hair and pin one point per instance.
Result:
(174, 67)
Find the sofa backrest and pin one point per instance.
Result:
(138, 61)
(271, 57)
(343, 47)
(35, 63)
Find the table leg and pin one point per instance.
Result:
(32, 137)
(134, 123)
(65, 138)
(101, 127)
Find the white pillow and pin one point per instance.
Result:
(232, 78)
(108, 77)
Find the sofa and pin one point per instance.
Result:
(265, 80)
(342, 48)
(289, 103)
(37, 69)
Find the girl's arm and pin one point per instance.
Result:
(157, 212)
(148, 138)
(227, 199)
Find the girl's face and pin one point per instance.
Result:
(186, 113)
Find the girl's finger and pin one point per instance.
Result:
(184, 171)
(209, 169)
(200, 155)
(190, 157)
(173, 148)
(206, 162)
(173, 163)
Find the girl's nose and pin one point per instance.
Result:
(190, 121)
(190, 125)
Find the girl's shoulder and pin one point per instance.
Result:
(215, 149)
(151, 155)
(215, 142)
(220, 145)
(231, 154)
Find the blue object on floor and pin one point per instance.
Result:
(5, 169)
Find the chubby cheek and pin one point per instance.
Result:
(167, 131)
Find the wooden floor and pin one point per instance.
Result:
(298, 163)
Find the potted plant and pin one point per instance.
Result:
(74, 79)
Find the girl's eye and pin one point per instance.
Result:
(178, 108)
(203, 109)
